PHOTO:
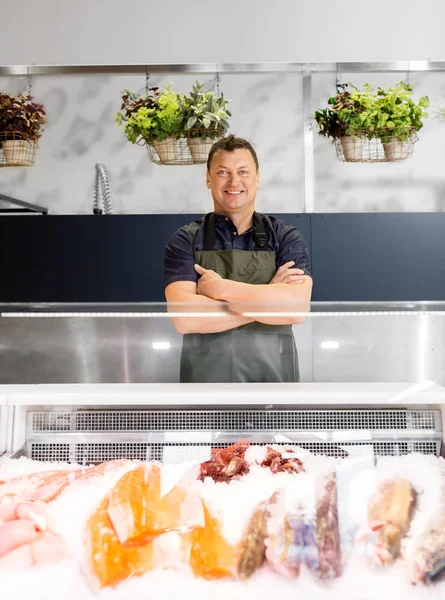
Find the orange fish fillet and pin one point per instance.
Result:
(111, 562)
(135, 529)
(139, 514)
(211, 555)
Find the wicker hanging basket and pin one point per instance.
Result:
(190, 150)
(376, 146)
(15, 151)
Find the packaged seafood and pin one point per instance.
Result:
(277, 523)
(390, 512)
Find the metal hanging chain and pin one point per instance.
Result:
(147, 78)
(217, 81)
(29, 81)
(408, 74)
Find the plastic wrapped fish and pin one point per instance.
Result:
(136, 528)
(390, 511)
(292, 531)
(212, 556)
(328, 535)
(252, 548)
(426, 559)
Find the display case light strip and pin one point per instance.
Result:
(343, 314)
(115, 314)
(222, 314)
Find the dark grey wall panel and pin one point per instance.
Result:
(87, 258)
(119, 258)
(378, 256)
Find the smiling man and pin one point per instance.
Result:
(244, 260)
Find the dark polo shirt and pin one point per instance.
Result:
(286, 241)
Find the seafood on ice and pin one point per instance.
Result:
(426, 559)
(26, 538)
(229, 463)
(328, 536)
(124, 536)
(303, 529)
(47, 485)
(273, 510)
(390, 511)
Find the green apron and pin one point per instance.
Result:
(250, 353)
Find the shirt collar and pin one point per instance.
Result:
(221, 219)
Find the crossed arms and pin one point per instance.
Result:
(289, 290)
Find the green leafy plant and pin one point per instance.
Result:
(153, 117)
(355, 109)
(344, 115)
(397, 113)
(329, 125)
(203, 115)
(385, 113)
(20, 118)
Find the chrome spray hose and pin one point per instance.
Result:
(101, 181)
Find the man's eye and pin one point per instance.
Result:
(244, 172)
(221, 172)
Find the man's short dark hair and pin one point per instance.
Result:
(230, 144)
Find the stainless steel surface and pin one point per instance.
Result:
(101, 184)
(88, 350)
(308, 142)
(329, 309)
(176, 436)
(221, 68)
(385, 348)
(374, 342)
(26, 206)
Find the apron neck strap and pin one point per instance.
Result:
(209, 232)
(259, 235)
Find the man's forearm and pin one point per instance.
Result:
(277, 298)
(212, 319)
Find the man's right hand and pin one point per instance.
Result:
(286, 274)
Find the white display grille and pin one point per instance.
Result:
(232, 420)
(177, 453)
(93, 436)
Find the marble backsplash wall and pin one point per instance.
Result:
(267, 110)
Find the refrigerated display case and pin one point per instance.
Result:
(74, 379)
(95, 385)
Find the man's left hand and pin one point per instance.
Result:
(209, 282)
(289, 275)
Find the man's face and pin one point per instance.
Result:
(233, 181)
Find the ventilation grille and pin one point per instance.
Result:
(177, 453)
(232, 420)
(50, 452)
(93, 436)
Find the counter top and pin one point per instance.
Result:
(268, 395)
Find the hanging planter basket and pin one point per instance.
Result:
(15, 151)
(170, 151)
(192, 150)
(199, 147)
(377, 146)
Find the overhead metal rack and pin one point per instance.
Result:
(213, 67)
